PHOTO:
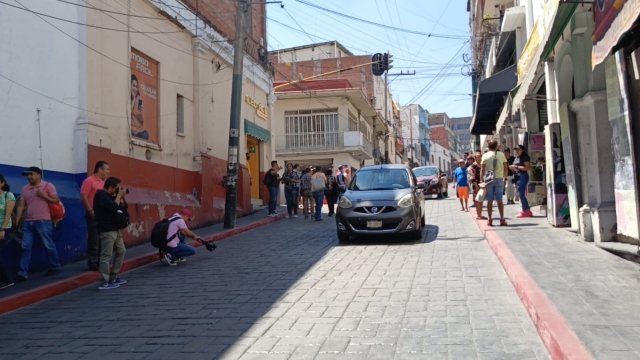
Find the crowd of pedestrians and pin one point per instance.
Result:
(34, 213)
(307, 189)
(490, 176)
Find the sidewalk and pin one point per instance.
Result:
(580, 297)
(76, 275)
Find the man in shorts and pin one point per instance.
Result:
(494, 161)
(462, 185)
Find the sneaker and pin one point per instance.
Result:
(52, 272)
(273, 215)
(118, 281)
(288, 217)
(180, 259)
(108, 286)
(20, 278)
(295, 216)
(503, 222)
(319, 219)
(525, 214)
(169, 259)
(5, 285)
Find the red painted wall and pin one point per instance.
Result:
(158, 191)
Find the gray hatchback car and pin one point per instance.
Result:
(382, 200)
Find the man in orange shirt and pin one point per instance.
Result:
(90, 186)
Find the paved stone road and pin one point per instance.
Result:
(289, 291)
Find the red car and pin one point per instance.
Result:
(434, 180)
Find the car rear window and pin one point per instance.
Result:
(380, 179)
(426, 172)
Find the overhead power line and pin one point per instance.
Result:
(442, 36)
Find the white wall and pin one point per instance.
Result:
(37, 56)
(410, 118)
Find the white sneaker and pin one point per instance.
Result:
(169, 259)
(273, 215)
(288, 217)
(295, 216)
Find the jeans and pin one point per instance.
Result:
(308, 202)
(522, 190)
(93, 241)
(511, 188)
(319, 197)
(181, 250)
(6, 275)
(111, 242)
(292, 200)
(273, 199)
(43, 229)
(495, 190)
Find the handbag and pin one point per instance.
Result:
(317, 184)
(490, 175)
(482, 195)
(56, 210)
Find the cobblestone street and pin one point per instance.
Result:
(290, 291)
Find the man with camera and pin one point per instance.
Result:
(108, 204)
(176, 250)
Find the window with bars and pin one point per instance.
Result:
(312, 129)
(353, 123)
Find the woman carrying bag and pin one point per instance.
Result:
(520, 168)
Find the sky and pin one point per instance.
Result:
(439, 84)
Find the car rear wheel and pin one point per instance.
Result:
(342, 237)
(423, 221)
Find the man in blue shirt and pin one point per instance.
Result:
(462, 185)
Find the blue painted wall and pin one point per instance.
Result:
(69, 234)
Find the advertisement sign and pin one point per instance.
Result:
(568, 131)
(612, 18)
(533, 48)
(143, 100)
(558, 211)
(624, 179)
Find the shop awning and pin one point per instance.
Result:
(256, 131)
(491, 98)
(611, 21)
(560, 22)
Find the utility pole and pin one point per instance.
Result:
(413, 152)
(386, 120)
(231, 198)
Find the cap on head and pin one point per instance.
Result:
(32, 169)
(340, 167)
(187, 213)
(521, 147)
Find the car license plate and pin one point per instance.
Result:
(374, 224)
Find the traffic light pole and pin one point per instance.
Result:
(231, 198)
(386, 120)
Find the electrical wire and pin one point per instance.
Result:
(381, 25)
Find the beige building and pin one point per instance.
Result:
(324, 123)
(170, 90)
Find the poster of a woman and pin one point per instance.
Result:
(143, 97)
(137, 120)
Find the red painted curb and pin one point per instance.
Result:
(48, 291)
(558, 337)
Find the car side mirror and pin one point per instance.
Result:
(420, 186)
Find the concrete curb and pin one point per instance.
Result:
(558, 337)
(18, 301)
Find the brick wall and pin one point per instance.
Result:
(359, 77)
(221, 15)
(440, 136)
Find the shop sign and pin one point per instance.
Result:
(530, 53)
(261, 111)
(252, 149)
(612, 18)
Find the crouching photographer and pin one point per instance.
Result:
(111, 214)
(176, 250)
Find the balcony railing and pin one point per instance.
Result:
(325, 142)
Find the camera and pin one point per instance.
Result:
(125, 190)
(208, 244)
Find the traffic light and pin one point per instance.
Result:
(378, 67)
(387, 61)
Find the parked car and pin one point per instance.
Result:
(381, 200)
(436, 181)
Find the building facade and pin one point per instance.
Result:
(442, 133)
(569, 98)
(462, 128)
(415, 131)
(316, 59)
(156, 110)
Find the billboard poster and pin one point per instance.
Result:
(568, 133)
(558, 204)
(624, 179)
(143, 100)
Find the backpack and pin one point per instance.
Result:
(160, 233)
(490, 175)
(317, 184)
(122, 216)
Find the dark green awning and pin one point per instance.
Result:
(256, 131)
(560, 22)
